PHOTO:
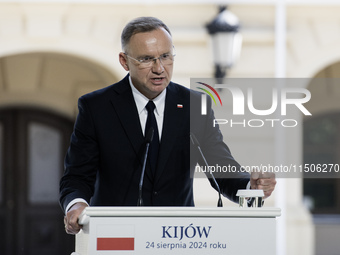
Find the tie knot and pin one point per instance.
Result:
(150, 106)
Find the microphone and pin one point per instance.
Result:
(197, 144)
(148, 140)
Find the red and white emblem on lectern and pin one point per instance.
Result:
(115, 238)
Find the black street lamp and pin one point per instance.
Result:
(226, 41)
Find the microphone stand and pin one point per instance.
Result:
(195, 142)
(148, 140)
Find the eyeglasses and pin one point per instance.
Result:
(145, 62)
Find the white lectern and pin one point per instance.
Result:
(177, 230)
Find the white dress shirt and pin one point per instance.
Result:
(141, 102)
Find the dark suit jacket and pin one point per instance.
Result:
(104, 161)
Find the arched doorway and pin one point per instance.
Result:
(321, 145)
(321, 141)
(33, 143)
(32, 147)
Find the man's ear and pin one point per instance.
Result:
(123, 61)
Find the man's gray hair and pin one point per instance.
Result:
(141, 25)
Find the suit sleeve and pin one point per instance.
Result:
(217, 153)
(81, 161)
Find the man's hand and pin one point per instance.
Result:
(265, 181)
(71, 219)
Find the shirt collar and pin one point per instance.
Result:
(142, 100)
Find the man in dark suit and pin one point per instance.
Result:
(104, 161)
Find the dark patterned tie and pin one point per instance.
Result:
(154, 146)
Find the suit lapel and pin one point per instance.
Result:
(173, 119)
(126, 109)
